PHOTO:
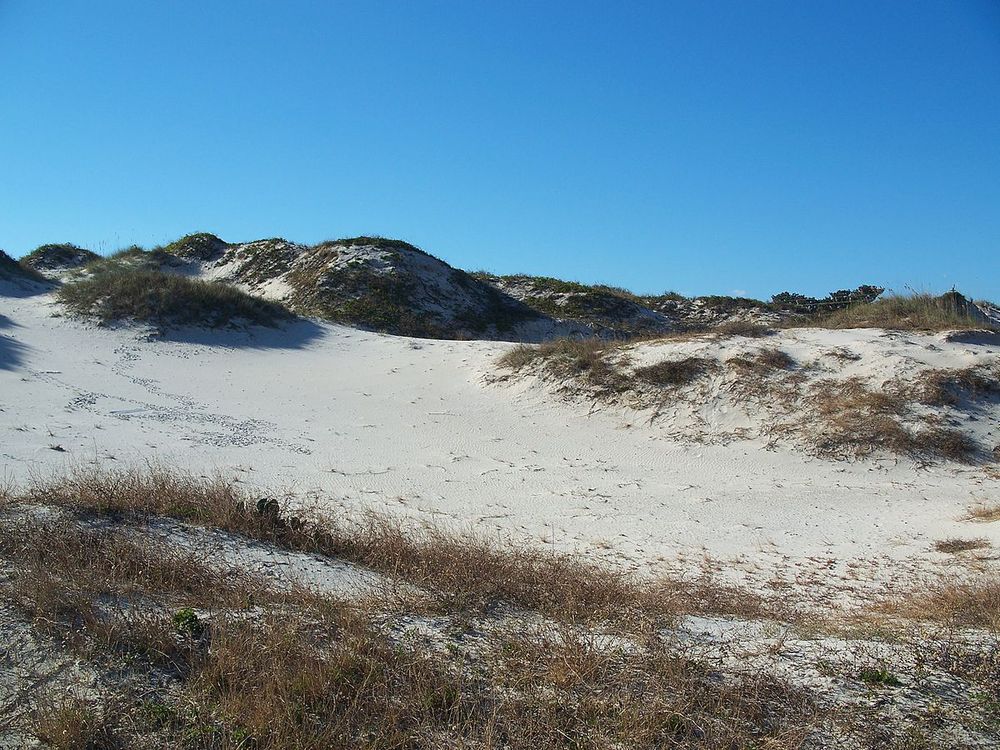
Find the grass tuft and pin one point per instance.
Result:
(954, 546)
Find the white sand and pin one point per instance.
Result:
(411, 426)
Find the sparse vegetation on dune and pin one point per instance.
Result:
(194, 655)
(676, 372)
(913, 312)
(58, 256)
(594, 364)
(836, 418)
(853, 420)
(495, 648)
(952, 387)
(164, 299)
(468, 570)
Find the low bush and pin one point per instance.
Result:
(164, 299)
(57, 256)
(584, 361)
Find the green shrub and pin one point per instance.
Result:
(60, 255)
(200, 245)
(162, 298)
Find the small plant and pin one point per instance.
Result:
(187, 622)
(879, 676)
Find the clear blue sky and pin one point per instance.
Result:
(706, 147)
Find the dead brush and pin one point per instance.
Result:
(460, 569)
(73, 723)
(984, 513)
(106, 592)
(953, 387)
(848, 419)
(677, 373)
(764, 361)
(955, 545)
(971, 603)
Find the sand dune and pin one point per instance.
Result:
(359, 420)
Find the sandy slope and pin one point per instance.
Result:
(366, 420)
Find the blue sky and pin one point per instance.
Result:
(749, 146)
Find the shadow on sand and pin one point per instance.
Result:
(24, 287)
(296, 334)
(11, 350)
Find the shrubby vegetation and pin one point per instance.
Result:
(838, 300)
(119, 293)
(61, 255)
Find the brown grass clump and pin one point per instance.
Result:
(68, 723)
(954, 546)
(585, 363)
(856, 421)
(985, 513)
(676, 373)
(914, 312)
(952, 387)
(764, 361)
(974, 603)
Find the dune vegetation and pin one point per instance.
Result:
(122, 293)
(907, 312)
(454, 643)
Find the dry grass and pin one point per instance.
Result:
(587, 364)
(195, 656)
(676, 373)
(955, 545)
(464, 570)
(855, 421)
(72, 723)
(914, 312)
(974, 603)
(764, 361)
(954, 387)
(984, 513)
